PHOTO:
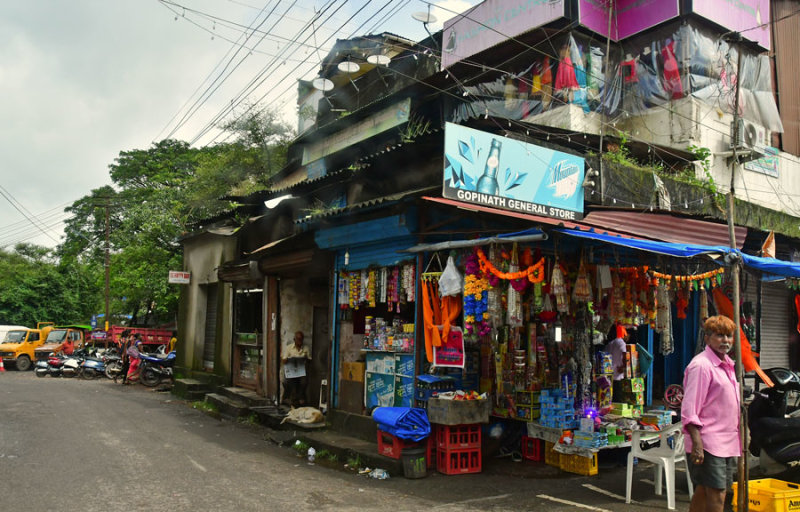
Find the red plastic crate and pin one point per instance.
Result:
(532, 448)
(458, 462)
(392, 446)
(430, 451)
(458, 437)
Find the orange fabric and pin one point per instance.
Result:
(725, 308)
(451, 308)
(430, 311)
(797, 307)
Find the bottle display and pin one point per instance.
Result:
(487, 183)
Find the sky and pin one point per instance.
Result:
(83, 80)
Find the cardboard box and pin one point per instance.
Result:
(353, 372)
(632, 385)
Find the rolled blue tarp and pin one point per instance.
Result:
(403, 422)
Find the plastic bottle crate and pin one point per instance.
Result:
(532, 448)
(551, 457)
(577, 464)
(770, 495)
(458, 437)
(458, 462)
(392, 446)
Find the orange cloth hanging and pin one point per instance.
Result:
(797, 307)
(431, 310)
(725, 308)
(451, 308)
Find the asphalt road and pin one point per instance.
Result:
(68, 444)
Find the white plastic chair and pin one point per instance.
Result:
(663, 455)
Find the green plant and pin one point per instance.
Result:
(416, 127)
(204, 406)
(251, 419)
(618, 152)
(327, 455)
(301, 447)
(318, 207)
(354, 462)
(703, 155)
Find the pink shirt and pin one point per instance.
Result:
(711, 401)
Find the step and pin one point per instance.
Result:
(346, 447)
(251, 398)
(228, 407)
(190, 389)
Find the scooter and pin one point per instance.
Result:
(155, 369)
(113, 364)
(73, 364)
(53, 366)
(93, 367)
(774, 431)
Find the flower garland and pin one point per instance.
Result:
(534, 273)
(476, 297)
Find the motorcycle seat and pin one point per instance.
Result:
(770, 432)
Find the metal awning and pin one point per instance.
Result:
(530, 235)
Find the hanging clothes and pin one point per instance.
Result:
(672, 75)
(431, 316)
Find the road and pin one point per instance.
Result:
(68, 444)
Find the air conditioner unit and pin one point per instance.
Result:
(751, 136)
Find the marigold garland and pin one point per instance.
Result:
(534, 273)
(681, 279)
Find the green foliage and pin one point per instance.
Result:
(354, 462)
(416, 127)
(204, 406)
(301, 447)
(703, 155)
(327, 455)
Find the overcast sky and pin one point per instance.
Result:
(82, 80)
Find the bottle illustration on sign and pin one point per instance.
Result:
(487, 183)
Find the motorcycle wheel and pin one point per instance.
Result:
(150, 378)
(113, 369)
(69, 373)
(89, 373)
(40, 373)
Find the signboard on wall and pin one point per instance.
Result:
(179, 277)
(630, 16)
(509, 174)
(767, 164)
(492, 22)
(750, 17)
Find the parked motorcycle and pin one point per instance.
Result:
(53, 366)
(93, 367)
(113, 364)
(154, 369)
(774, 431)
(73, 364)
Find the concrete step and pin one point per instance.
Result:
(251, 398)
(228, 407)
(346, 448)
(190, 389)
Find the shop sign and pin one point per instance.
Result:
(509, 174)
(492, 22)
(767, 164)
(630, 16)
(451, 352)
(379, 122)
(750, 17)
(178, 277)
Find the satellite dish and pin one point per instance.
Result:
(348, 66)
(322, 84)
(424, 17)
(379, 60)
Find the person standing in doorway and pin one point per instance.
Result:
(617, 348)
(710, 415)
(295, 356)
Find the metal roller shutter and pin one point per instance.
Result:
(210, 331)
(776, 326)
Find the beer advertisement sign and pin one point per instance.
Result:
(510, 174)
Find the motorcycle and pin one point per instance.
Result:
(93, 367)
(154, 369)
(113, 365)
(775, 426)
(53, 366)
(73, 364)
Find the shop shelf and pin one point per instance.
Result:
(458, 437)
(532, 448)
(578, 464)
(458, 462)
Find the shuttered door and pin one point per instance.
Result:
(210, 332)
(775, 322)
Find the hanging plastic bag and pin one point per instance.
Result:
(451, 282)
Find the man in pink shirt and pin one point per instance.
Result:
(710, 416)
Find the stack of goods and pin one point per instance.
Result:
(458, 449)
(603, 379)
(633, 394)
(429, 386)
(528, 406)
(558, 410)
(657, 417)
(591, 440)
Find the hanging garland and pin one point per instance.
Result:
(534, 273)
(476, 297)
(690, 278)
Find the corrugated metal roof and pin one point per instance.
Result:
(366, 204)
(665, 227)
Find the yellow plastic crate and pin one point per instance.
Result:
(586, 466)
(771, 495)
(551, 457)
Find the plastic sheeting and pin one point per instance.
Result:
(404, 422)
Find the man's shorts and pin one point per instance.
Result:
(715, 472)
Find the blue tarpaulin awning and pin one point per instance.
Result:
(769, 267)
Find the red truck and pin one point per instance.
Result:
(150, 335)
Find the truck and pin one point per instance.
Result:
(64, 338)
(20, 345)
(151, 336)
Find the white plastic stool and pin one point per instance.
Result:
(669, 450)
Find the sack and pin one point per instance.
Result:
(450, 282)
(645, 358)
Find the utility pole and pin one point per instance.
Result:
(107, 263)
(742, 498)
